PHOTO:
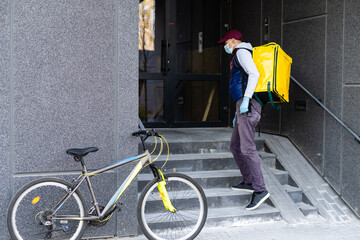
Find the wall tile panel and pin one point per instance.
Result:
(351, 48)
(63, 83)
(248, 26)
(127, 107)
(304, 41)
(333, 92)
(271, 10)
(351, 152)
(298, 9)
(75, 78)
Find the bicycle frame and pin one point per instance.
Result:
(143, 159)
(186, 220)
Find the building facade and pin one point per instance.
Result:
(79, 73)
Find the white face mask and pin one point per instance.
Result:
(228, 49)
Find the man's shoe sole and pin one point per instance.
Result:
(242, 190)
(259, 203)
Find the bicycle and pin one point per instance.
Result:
(171, 206)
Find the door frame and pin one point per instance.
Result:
(170, 77)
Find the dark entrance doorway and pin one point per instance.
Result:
(181, 73)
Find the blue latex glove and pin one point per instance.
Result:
(244, 107)
(234, 121)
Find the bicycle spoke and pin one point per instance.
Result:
(31, 208)
(188, 219)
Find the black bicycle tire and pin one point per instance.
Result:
(149, 186)
(37, 181)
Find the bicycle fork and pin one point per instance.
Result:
(163, 194)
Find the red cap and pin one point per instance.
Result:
(231, 34)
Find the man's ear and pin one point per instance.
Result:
(231, 42)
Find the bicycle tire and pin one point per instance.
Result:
(186, 196)
(28, 208)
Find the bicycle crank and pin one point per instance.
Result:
(99, 223)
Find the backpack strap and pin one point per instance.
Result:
(258, 100)
(277, 108)
(236, 61)
(237, 65)
(241, 69)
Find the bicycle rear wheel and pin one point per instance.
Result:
(191, 209)
(32, 204)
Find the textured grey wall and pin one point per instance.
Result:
(350, 109)
(334, 92)
(324, 46)
(241, 11)
(304, 41)
(5, 112)
(322, 38)
(69, 78)
(300, 9)
(270, 117)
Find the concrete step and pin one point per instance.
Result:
(226, 197)
(307, 209)
(295, 193)
(216, 198)
(196, 162)
(281, 176)
(204, 162)
(265, 212)
(197, 146)
(268, 158)
(206, 179)
(297, 196)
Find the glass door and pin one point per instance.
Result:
(197, 78)
(152, 56)
(182, 81)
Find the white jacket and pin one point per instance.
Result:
(246, 61)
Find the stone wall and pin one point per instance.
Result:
(322, 39)
(69, 78)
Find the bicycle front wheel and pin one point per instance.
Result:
(190, 203)
(29, 211)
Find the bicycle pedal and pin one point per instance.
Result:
(65, 228)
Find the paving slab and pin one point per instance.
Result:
(278, 230)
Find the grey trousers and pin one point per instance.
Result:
(243, 146)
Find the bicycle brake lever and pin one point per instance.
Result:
(137, 133)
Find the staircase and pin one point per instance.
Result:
(297, 191)
(212, 165)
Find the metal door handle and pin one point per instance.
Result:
(165, 56)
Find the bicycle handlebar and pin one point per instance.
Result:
(146, 133)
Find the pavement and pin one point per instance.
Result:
(278, 230)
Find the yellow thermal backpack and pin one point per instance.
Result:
(274, 66)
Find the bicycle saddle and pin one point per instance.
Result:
(81, 152)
